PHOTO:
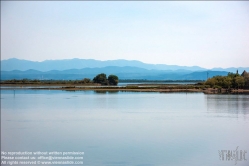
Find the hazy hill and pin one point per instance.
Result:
(89, 68)
(203, 75)
(17, 64)
(121, 72)
(66, 64)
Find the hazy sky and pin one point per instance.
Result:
(207, 34)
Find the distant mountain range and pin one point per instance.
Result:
(47, 65)
(121, 72)
(89, 68)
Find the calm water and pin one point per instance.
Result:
(127, 128)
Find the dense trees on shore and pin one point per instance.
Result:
(232, 80)
(101, 79)
(113, 80)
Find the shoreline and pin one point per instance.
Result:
(148, 88)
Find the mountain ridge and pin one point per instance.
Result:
(76, 63)
(88, 68)
(47, 65)
(121, 72)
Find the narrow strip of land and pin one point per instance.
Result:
(132, 88)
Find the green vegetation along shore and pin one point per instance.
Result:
(134, 88)
(232, 83)
(232, 80)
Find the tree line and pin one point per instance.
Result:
(98, 79)
(232, 80)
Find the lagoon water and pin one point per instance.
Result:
(127, 128)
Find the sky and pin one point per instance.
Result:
(188, 33)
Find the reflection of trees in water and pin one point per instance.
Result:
(105, 92)
(113, 92)
(232, 103)
(100, 91)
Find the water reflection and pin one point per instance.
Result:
(125, 128)
(113, 92)
(228, 103)
(107, 91)
(100, 92)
